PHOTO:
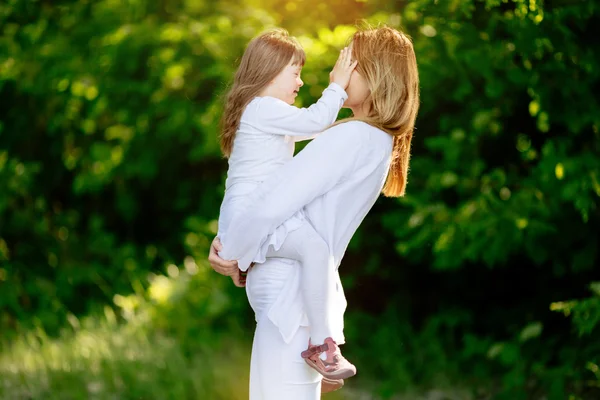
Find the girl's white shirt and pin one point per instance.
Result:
(335, 180)
(265, 140)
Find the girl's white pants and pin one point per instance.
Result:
(277, 371)
(317, 277)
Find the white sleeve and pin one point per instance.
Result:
(277, 117)
(319, 167)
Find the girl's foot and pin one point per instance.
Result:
(334, 366)
(329, 385)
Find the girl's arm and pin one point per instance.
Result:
(319, 167)
(277, 117)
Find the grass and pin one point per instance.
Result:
(110, 361)
(182, 340)
(122, 361)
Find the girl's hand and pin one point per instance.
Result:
(239, 279)
(343, 68)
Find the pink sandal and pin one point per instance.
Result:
(335, 366)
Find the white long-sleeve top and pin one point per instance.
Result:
(336, 179)
(265, 140)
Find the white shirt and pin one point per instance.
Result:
(336, 179)
(265, 140)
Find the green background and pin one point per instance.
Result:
(482, 283)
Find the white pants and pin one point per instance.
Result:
(317, 277)
(277, 371)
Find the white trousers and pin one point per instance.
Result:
(317, 277)
(277, 371)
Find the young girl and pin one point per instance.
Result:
(260, 127)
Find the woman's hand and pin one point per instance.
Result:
(343, 68)
(227, 268)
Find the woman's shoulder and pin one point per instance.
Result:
(359, 131)
(360, 139)
(355, 125)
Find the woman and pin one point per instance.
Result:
(336, 179)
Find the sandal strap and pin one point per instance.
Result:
(312, 350)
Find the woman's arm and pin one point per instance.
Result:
(319, 167)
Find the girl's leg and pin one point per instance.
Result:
(317, 277)
(317, 287)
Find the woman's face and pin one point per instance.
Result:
(357, 89)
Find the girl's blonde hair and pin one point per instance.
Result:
(387, 61)
(264, 58)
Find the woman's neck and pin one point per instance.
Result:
(359, 111)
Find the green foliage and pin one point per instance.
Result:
(102, 359)
(503, 167)
(107, 105)
(585, 312)
(111, 179)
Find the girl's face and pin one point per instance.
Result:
(286, 85)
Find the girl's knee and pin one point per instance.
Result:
(317, 247)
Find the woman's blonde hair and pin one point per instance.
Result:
(264, 58)
(387, 61)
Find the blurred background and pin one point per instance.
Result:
(482, 283)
